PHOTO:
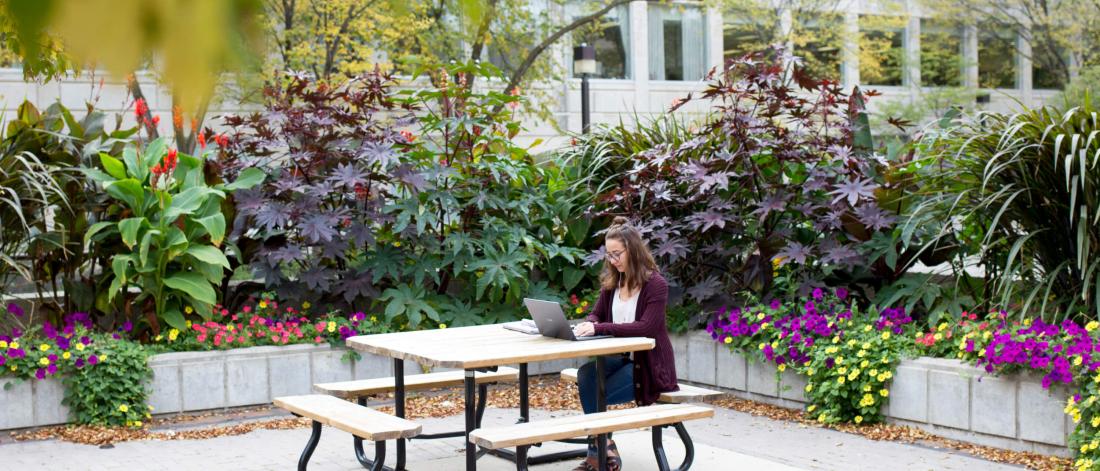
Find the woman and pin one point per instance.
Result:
(633, 295)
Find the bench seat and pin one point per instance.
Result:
(686, 394)
(366, 387)
(357, 420)
(585, 425)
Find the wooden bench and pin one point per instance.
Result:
(523, 436)
(360, 390)
(686, 394)
(360, 421)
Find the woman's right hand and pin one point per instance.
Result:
(584, 329)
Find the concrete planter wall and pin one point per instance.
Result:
(945, 397)
(193, 381)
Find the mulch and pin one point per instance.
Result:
(545, 394)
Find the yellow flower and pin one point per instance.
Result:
(43, 347)
(442, 326)
(331, 326)
(188, 310)
(851, 343)
(306, 305)
(943, 325)
(867, 388)
(1084, 448)
(859, 418)
(103, 358)
(853, 375)
(842, 370)
(728, 339)
(1027, 322)
(810, 372)
(188, 324)
(886, 335)
(760, 316)
(861, 353)
(762, 345)
(764, 326)
(157, 338)
(584, 303)
(881, 378)
(263, 304)
(66, 355)
(13, 367)
(578, 310)
(812, 408)
(836, 339)
(44, 361)
(981, 352)
(839, 360)
(864, 363)
(809, 387)
(884, 393)
(840, 380)
(938, 336)
(782, 368)
(172, 334)
(13, 345)
(137, 423)
(123, 408)
(867, 328)
(873, 372)
(79, 347)
(865, 346)
(1077, 361)
(1092, 325)
(397, 243)
(1096, 421)
(987, 335)
(3, 344)
(374, 318)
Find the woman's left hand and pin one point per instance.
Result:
(584, 329)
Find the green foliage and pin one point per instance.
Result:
(112, 392)
(172, 226)
(855, 388)
(1018, 196)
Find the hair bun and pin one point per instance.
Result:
(620, 221)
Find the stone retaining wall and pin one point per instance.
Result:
(946, 397)
(194, 381)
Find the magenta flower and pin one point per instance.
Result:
(92, 359)
(40, 373)
(15, 310)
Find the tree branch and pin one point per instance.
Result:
(534, 54)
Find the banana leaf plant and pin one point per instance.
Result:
(171, 221)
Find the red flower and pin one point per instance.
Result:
(156, 120)
(202, 140)
(408, 135)
(140, 108)
(222, 140)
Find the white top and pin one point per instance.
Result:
(623, 312)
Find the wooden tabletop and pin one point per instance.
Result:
(487, 345)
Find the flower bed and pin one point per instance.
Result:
(848, 358)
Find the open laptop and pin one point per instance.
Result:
(551, 320)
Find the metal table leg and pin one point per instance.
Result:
(471, 419)
(399, 406)
(601, 406)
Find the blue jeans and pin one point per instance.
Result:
(618, 384)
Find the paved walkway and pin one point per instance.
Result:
(729, 441)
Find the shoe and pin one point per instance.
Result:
(589, 464)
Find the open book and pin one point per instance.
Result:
(526, 326)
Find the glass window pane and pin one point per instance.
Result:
(1049, 69)
(996, 57)
(748, 29)
(609, 35)
(817, 40)
(881, 49)
(677, 49)
(941, 59)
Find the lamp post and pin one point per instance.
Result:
(584, 64)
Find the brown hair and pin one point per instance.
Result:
(640, 263)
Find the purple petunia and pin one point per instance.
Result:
(92, 359)
(40, 373)
(15, 310)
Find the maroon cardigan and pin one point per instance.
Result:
(654, 370)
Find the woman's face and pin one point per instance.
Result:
(616, 254)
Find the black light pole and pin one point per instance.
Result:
(584, 64)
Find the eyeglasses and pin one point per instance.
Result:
(615, 256)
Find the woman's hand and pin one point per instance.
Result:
(584, 329)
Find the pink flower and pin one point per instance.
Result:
(274, 338)
(246, 309)
(318, 339)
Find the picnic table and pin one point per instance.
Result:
(484, 348)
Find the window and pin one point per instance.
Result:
(941, 59)
(677, 46)
(817, 40)
(1049, 65)
(882, 50)
(748, 28)
(609, 35)
(996, 57)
